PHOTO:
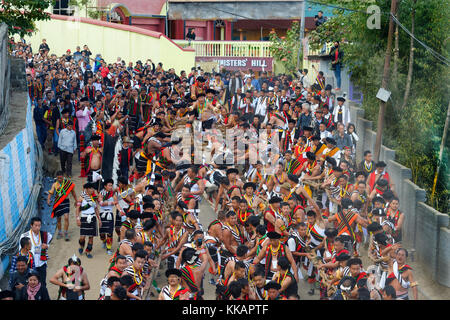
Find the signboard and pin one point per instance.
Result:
(240, 63)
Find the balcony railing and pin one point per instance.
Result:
(259, 49)
(321, 51)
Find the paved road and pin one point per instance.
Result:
(60, 251)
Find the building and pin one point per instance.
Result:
(243, 20)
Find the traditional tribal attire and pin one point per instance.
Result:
(106, 217)
(61, 204)
(176, 295)
(88, 219)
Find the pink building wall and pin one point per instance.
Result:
(136, 6)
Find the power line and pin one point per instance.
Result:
(433, 53)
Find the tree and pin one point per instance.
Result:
(285, 48)
(411, 60)
(94, 14)
(413, 128)
(20, 15)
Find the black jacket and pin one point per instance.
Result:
(333, 54)
(41, 295)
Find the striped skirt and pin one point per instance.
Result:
(63, 208)
(88, 229)
(107, 225)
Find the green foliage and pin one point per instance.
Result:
(84, 4)
(414, 132)
(20, 15)
(285, 49)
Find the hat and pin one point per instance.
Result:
(340, 99)
(89, 185)
(332, 161)
(273, 235)
(148, 205)
(347, 279)
(275, 199)
(211, 91)
(272, 285)
(378, 212)
(95, 137)
(346, 203)
(232, 170)
(331, 232)
(381, 238)
(382, 183)
(378, 199)
(342, 257)
(174, 271)
(374, 226)
(388, 223)
(310, 155)
(250, 185)
(149, 224)
(146, 214)
(380, 164)
(133, 214)
(330, 140)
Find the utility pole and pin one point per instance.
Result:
(385, 81)
(441, 152)
(302, 33)
(167, 19)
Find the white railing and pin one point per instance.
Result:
(259, 49)
(320, 52)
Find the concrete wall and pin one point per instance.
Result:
(425, 230)
(111, 41)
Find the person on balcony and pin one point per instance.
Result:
(336, 55)
(190, 36)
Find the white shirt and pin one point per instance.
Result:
(36, 243)
(325, 134)
(345, 114)
(261, 106)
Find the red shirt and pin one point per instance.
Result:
(104, 71)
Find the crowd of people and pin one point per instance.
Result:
(292, 206)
